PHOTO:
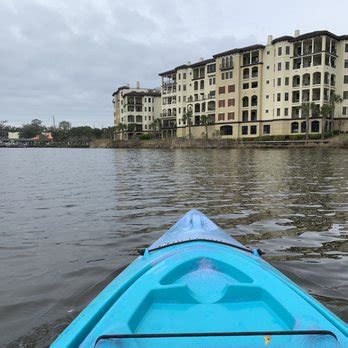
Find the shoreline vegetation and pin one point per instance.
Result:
(338, 141)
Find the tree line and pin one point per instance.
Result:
(63, 133)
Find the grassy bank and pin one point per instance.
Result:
(339, 141)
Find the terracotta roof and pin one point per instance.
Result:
(119, 89)
(202, 62)
(240, 50)
(282, 38)
(150, 92)
(309, 36)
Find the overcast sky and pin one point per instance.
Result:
(66, 57)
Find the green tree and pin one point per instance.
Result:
(307, 109)
(64, 125)
(187, 118)
(156, 125)
(325, 112)
(334, 100)
(206, 121)
(32, 129)
(3, 128)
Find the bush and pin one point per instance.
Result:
(145, 137)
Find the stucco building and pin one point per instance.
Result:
(136, 108)
(258, 90)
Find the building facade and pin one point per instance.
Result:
(258, 90)
(136, 109)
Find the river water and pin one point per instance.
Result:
(72, 219)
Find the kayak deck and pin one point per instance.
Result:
(202, 286)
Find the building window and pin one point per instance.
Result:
(222, 90)
(346, 63)
(267, 67)
(315, 126)
(221, 103)
(184, 76)
(345, 79)
(245, 116)
(286, 81)
(268, 52)
(278, 112)
(266, 129)
(303, 127)
(345, 95)
(267, 96)
(221, 116)
(346, 48)
(287, 65)
(287, 50)
(286, 112)
(230, 102)
(279, 66)
(245, 85)
(267, 82)
(279, 81)
(230, 116)
(344, 110)
(253, 115)
(278, 97)
(266, 111)
(286, 96)
(184, 87)
(231, 88)
(279, 51)
(253, 130)
(294, 127)
(244, 130)
(226, 130)
(179, 76)
(254, 84)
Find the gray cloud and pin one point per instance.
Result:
(65, 58)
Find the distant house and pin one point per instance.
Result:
(13, 135)
(46, 136)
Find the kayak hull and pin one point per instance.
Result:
(202, 292)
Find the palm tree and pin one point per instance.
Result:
(131, 128)
(206, 121)
(156, 125)
(187, 117)
(334, 100)
(307, 109)
(325, 112)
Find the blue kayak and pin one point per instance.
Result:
(198, 287)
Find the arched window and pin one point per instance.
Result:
(326, 78)
(139, 118)
(195, 86)
(294, 127)
(333, 80)
(306, 80)
(245, 102)
(303, 127)
(226, 130)
(130, 119)
(203, 107)
(254, 100)
(197, 108)
(296, 81)
(174, 112)
(315, 127)
(169, 112)
(246, 73)
(255, 71)
(211, 105)
(316, 78)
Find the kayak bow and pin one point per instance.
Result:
(197, 286)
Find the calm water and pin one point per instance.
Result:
(72, 219)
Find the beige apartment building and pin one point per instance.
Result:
(136, 108)
(258, 90)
